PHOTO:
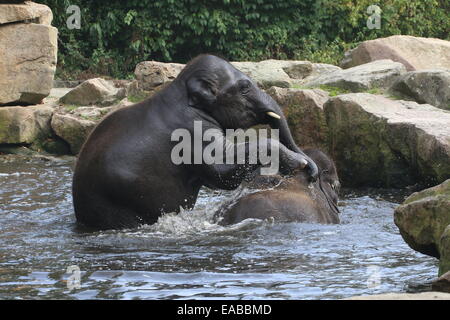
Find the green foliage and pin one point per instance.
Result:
(116, 35)
(70, 107)
(334, 91)
(375, 91)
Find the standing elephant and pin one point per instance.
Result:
(125, 176)
(291, 199)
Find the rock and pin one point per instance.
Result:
(426, 86)
(134, 94)
(304, 112)
(319, 69)
(278, 73)
(423, 217)
(72, 130)
(442, 284)
(93, 91)
(91, 113)
(298, 69)
(28, 62)
(151, 74)
(405, 296)
(26, 12)
(414, 53)
(377, 74)
(133, 88)
(57, 93)
(52, 145)
(66, 83)
(121, 83)
(267, 73)
(122, 104)
(380, 142)
(16, 150)
(73, 125)
(13, 152)
(444, 250)
(24, 125)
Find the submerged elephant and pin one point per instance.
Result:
(125, 176)
(291, 199)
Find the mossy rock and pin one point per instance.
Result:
(379, 142)
(376, 74)
(16, 150)
(422, 219)
(24, 125)
(303, 109)
(444, 262)
(72, 130)
(53, 145)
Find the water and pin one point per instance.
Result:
(189, 256)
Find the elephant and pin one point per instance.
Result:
(292, 199)
(125, 175)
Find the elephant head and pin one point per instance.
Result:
(290, 199)
(328, 177)
(233, 100)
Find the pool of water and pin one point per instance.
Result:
(188, 256)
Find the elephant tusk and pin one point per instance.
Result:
(273, 115)
(303, 163)
(335, 185)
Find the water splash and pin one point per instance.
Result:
(185, 223)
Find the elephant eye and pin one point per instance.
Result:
(244, 86)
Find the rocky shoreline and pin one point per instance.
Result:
(383, 115)
(377, 140)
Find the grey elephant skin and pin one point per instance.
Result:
(124, 175)
(293, 199)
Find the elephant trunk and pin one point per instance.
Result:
(285, 133)
(277, 120)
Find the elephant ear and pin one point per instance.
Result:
(330, 194)
(202, 91)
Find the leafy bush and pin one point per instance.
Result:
(116, 35)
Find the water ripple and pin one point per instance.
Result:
(189, 256)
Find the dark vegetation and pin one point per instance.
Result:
(115, 35)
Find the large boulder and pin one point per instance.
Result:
(91, 113)
(96, 113)
(71, 129)
(303, 109)
(93, 91)
(28, 62)
(24, 125)
(444, 250)
(386, 143)
(318, 69)
(423, 217)
(442, 284)
(414, 53)
(377, 74)
(25, 12)
(152, 74)
(426, 86)
(266, 73)
(73, 124)
(282, 73)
